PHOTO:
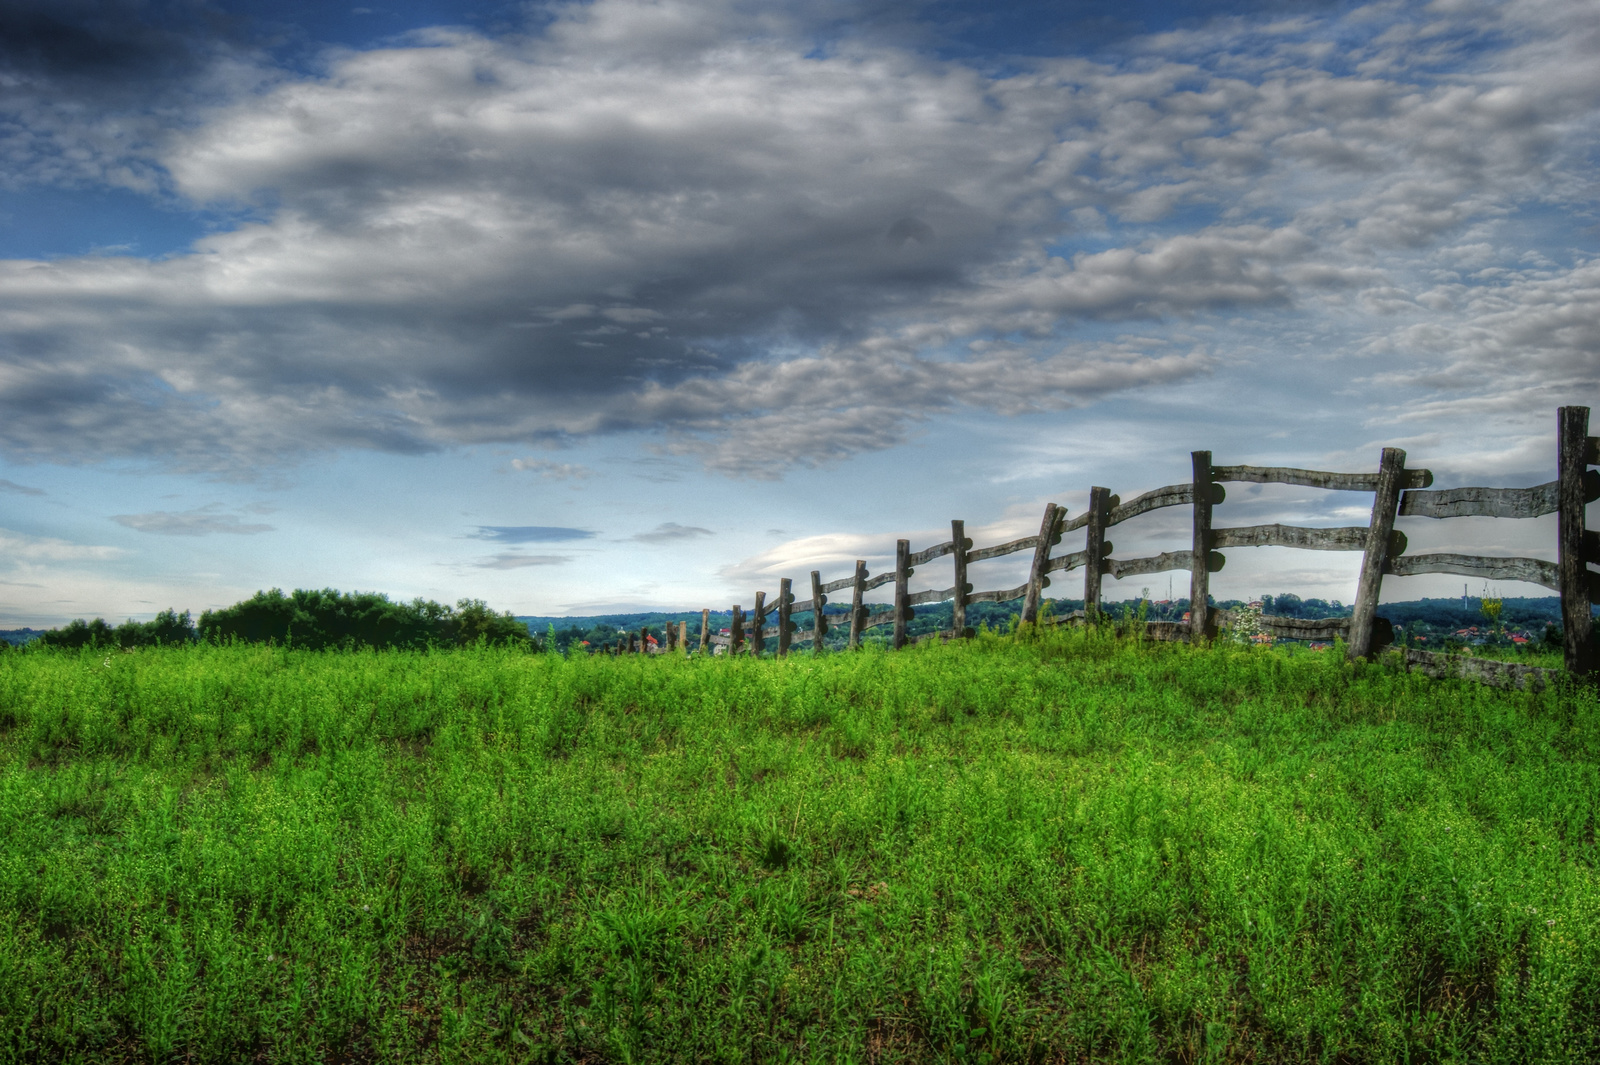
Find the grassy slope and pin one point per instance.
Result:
(1061, 850)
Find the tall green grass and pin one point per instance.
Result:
(1065, 848)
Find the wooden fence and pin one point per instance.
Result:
(1397, 492)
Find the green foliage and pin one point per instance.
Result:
(167, 628)
(317, 620)
(80, 633)
(473, 621)
(1064, 847)
(1292, 606)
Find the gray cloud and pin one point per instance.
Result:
(530, 534)
(20, 489)
(764, 416)
(687, 219)
(671, 532)
(510, 560)
(92, 86)
(103, 40)
(201, 522)
(553, 471)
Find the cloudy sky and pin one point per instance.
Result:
(588, 306)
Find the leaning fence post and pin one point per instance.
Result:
(819, 625)
(958, 605)
(705, 632)
(902, 578)
(736, 630)
(1385, 503)
(1200, 561)
(784, 599)
(858, 609)
(1095, 549)
(758, 630)
(1575, 546)
(1037, 581)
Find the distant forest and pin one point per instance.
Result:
(334, 619)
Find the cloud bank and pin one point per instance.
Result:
(688, 219)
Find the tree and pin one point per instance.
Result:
(79, 633)
(334, 619)
(474, 621)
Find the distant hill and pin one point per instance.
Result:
(1531, 614)
(1425, 616)
(1452, 613)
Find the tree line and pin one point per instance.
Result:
(315, 620)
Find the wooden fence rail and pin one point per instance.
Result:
(1397, 492)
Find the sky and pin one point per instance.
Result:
(591, 307)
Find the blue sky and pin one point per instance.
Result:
(580, 307)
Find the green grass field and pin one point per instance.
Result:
(1065, 849)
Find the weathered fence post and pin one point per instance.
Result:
(736, 631)
(858, 609)
(784, 599)
(819, 625)
(1200, 561)
(1037, 581)
(670, 629)
(1385, 503)
(705, 632)
(1095, 549)
(902, 577)
(958, 605)
(1575, 545)
(758, 628)
(683, 636)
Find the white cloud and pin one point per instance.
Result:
(834, 554)
(22, 548)
(553, 471)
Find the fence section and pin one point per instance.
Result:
(1397, 492)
